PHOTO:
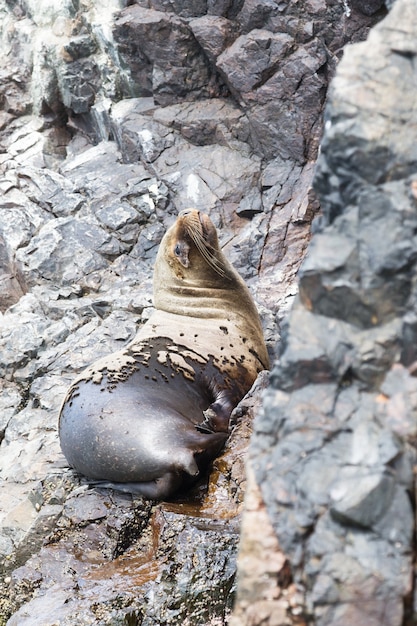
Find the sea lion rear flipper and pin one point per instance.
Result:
(157, 489)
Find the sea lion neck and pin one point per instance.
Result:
(191, 301)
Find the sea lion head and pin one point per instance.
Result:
(191, 248)
(193, 277)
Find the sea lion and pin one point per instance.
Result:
(148, 419)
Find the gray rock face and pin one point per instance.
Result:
(115, 116)
(11, 283)
(334, 450)
(162, 54)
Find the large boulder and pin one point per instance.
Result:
(333, 453)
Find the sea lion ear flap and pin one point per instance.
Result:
(181, 250)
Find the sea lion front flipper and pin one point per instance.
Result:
(216, 419)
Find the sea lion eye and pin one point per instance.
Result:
(181, 250)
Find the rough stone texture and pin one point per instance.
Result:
(11, 284)
(333, 452)
(266, 591)
(114, 116)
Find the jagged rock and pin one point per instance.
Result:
(333, 450)
(205, 123)
(48, 254)
(50, 190)
(369, 7)
(191, 9)
(9, 400)
(196, 179)
(214, 34)
(79, 47)
(362, 499)
(253, 59)
(386, 152)
(11, 282)
(271, 58)
(168, 63)
(78, 85)
(265, 586)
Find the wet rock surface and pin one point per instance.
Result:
(333, 452)
(114, 117)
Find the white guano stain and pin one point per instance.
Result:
(193, 187)
(147, 142)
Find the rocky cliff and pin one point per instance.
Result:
(333, 456)
(114, 116)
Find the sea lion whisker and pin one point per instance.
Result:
(204, 249)
(210, 258)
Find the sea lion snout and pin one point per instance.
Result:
(196, 218)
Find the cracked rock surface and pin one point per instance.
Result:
(333, 454)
